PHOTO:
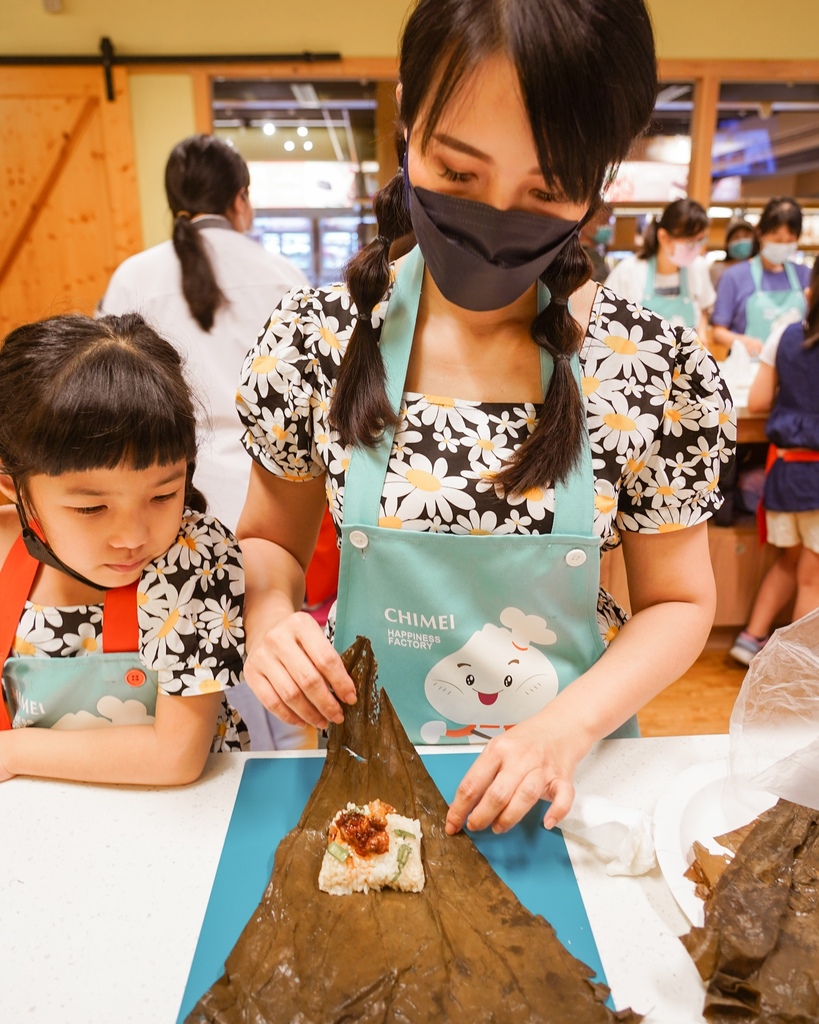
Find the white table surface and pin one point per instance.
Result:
(103, 891)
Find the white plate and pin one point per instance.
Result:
(694, 807)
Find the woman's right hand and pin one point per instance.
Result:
(298, 675)
(753, 345)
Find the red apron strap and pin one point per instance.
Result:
(16, 580)
(761, 522)
(120, 622)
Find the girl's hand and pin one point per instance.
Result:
(297, 674)
(528, 763)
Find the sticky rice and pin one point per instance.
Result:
(369, 846)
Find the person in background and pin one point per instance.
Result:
(766, 291)
(740, 245)
(787, 385)
(483, 385)
(209, 291)
(121, 617)
(595, 237)
(669, 275)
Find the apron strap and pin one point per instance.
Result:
(651, 270)
(120, 621)
(16, 580)
(755, 266)
(684, 292)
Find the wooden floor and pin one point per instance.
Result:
(701, 700)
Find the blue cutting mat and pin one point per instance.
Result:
(534, 863)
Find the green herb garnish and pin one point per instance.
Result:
(339, 852)
(402, 834)
(404, 851)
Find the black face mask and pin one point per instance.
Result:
(482, 258)
(39, 549)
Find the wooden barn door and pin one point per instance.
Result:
(69, 208)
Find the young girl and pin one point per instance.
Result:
(786, 385)
(481, 421)
(669, 275)
(122, 604)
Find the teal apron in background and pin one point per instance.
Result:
(766, 310)
(678, 310)
(78, 692)
(472, 633)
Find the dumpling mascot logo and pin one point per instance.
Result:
(495, 680)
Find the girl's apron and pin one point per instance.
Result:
(472, 634)
(678, 310)
(73, 692)
(766, 310)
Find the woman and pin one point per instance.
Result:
(740, 245)
(412, 401)
(669, 275)
(786, 386)
(768, 291)
(209, 291)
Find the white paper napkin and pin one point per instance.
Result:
(621, 836)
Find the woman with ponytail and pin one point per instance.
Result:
(482, 420)
(209, 290)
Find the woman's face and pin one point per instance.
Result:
(482, 149)
(682, 243)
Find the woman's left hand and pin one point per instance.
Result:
(529, 762)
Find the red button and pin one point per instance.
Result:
(135, 677)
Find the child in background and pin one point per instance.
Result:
(122, 601)
(787, 384)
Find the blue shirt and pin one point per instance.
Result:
(736, 286)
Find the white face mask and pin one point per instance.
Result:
(778, 252)
(683, 254)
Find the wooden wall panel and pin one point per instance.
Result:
(68, 213)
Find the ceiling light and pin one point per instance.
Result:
(301, 130)
(308, 145)
(269, 128)
(290, 145)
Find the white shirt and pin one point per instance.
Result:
(253, 281)
(629, 279)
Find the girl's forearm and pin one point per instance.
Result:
(159, 754)
(653, 649)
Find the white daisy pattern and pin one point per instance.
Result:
(661, 428)
(190, 604)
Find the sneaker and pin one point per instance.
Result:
(746, 646)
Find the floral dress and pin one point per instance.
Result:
(660, 420)
(190, 603)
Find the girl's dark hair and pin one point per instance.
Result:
(781, 211)
(80, 394)
(203, 175)
(588, 78)
(812, 316)
(684, 218)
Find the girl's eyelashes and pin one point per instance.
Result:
(166, 497)
(461, 177)
(451, 175)
(89, 510)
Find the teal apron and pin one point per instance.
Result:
(763, 309)
(472, 633)
(678, 310)
(79, 692)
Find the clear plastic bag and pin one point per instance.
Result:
(774, 731)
